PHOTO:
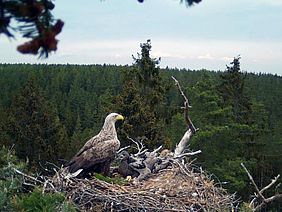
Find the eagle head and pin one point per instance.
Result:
(109, 124)
(113, 117)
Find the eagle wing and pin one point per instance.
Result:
(94, 152)
(90, 143)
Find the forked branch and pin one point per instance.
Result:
(260, 200)
(140, 147)
(186, 107)
(182, 145)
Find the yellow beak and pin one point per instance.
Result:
(120, 117)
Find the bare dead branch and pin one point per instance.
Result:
(182, 145)
(273, 181)
(267, 201)
(262, 201)
(188, 154)
(186, 107)
(140, 147)
(124, 148)
(253, 182)
(28, 176)
(180, 90)
(158, 149)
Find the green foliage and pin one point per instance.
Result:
(38, 201)
(245, 207)
(4, 127)
(175, 133)
(236, 179)
(232, 129)
(131, 105)
(10, 183)
(141, 98)
(12, 196)
(35, 127)
(232, 90)
(148, 76)
(115, 180)
(249, 125)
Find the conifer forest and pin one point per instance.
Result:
(48, 112)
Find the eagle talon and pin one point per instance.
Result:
(128, 178)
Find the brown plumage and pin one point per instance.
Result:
(97, 154)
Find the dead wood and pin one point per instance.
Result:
(182, 145)
(260, 201)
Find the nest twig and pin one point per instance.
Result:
(177, 188)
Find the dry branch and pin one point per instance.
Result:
(28, 176)
(259, 200)
(188, 154)
(122, 149)
(253, 182)
(182, 145)
(186, 107)
(140, 147)
(273, 181)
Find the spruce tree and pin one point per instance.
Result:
(248, 123)
(232, 90)
(5, 139)
(35, 127)
(148, 76)
(218, 135)
(141, 98)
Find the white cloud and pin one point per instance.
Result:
(225, 58)
(206, 56)
(193, 54)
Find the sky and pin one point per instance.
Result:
(207, 35)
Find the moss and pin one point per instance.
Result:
(115, 180)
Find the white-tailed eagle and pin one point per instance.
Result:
(98, 152)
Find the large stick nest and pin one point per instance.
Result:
(177, 188)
